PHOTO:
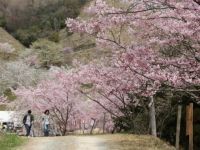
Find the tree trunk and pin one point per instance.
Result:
(93, 125)
(197, 1)
(64, 132)
(104, 122)
(80, 125)
(178, 126)
(152, 115)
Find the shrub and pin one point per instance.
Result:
(49, 53)
(27, 36)
(9, 94)
(54, 37)
(2, 22)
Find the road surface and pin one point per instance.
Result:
(65, 143)
(101, 142)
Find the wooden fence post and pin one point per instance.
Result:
(189, 125)
(178, 125)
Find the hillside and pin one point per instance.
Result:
(5, 37)
(30, 20)
(24, 3)
(84, 46)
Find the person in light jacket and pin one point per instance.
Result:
(46, 122)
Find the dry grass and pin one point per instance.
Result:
(135, 142)
(5, 37)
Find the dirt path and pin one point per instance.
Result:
(100, 142)
(65, 143)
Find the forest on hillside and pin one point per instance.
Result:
(29, 20)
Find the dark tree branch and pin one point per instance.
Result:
(197, 1)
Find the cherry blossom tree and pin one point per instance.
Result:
(6, 48)
(115, 89)
(61, 96)
(17, 73)
(157, 25)
(2, 100)
(155, 44)
(155, 47)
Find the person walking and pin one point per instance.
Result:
(46, 123)
(28, 121)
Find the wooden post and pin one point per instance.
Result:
(178, 125)
(189, 124)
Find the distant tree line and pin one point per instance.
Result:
(35, 19)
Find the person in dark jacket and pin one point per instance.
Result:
(28, 121)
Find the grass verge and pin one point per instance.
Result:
(10, 141)
(135, 142)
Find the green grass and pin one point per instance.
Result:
(2, 107)
(10, 141)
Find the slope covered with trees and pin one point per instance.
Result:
(30, 20)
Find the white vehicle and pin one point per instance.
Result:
(7, 121)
